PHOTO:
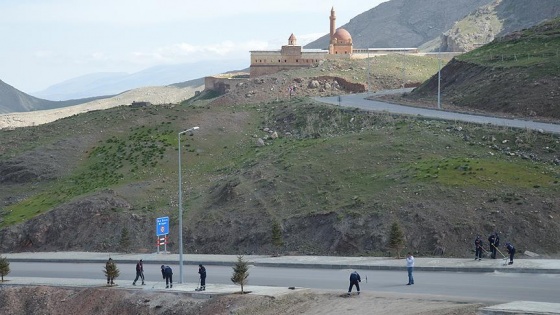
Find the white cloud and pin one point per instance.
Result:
(185, 52)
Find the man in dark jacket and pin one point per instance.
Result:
(511, 252)
(167, 274)
(202, 273)
(478, 248)
(354, 281)
(139, 272)
(492, 241)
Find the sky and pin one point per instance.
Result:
(45, 42)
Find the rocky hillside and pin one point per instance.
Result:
(497, 19)
(460, 25)
(403, 23)
(514, 75)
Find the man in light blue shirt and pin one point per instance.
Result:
(410, 268)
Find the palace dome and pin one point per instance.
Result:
(342, 36)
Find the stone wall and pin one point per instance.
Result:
(269, 62)
(222, 84)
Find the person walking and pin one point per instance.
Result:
(354, 281)
(511, 252)
(410, 268)
(167, 274)
(109, 266)
(139, 272)
(478, 248)
(202, 273)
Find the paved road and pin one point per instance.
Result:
(495, 287)
(359, 101)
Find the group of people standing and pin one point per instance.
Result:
(166, 272)
(494, 243)
(355, 278)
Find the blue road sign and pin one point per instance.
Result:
(162, 226)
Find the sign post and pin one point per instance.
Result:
(162, 229)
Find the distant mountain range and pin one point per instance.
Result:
(104, 85)
(110, 83)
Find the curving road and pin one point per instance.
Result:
(360, 101)
(494, 287)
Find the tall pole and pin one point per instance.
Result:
(181, 206)
(439, 78)
(180, 216)
(404, 69)
(368, 74)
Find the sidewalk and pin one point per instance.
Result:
(212, 290)
(550, 266)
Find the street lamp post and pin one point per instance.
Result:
(181, 207)
(368, 74)
(439, 77)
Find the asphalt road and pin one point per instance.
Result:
(494, 287)
(359, 101)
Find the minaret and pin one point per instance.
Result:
(333, 24)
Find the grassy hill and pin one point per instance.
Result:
(516, 74)
(324, 179)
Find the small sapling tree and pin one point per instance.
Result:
(240, 273)
(396, 239)
(4, 267)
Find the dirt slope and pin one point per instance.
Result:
(95, 301)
